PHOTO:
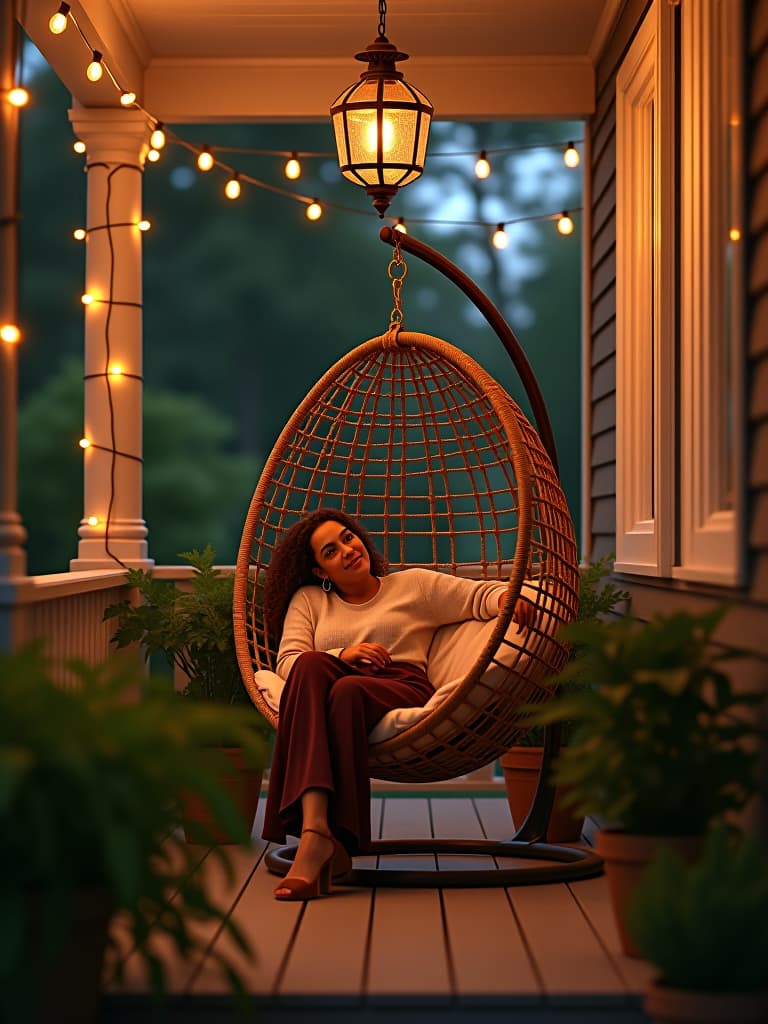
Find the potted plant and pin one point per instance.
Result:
(657, 751)
(193, 630)
(705, 927)
(521, 765)
(89, 779)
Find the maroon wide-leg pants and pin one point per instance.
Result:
(327, 710)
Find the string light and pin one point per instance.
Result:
(735, 234)
(500, 239)
(116, 370)
(93, 520)
(144, 224)
(127, 98)
(482, 166)
(293, 168)
(157, 138)
(10, 334)
(153, 155)
(58, 22)
(232, 188)
(84, 443)
(205, 159)
(95, 69)
(86, 298)
(400, 226)
(565, 224)
(571, 156)
(79, 146)
(18, 96)
(314, 210)
(79, 234)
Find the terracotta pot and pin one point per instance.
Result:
(69, 985)
(244, 786)
(521, 766)
(626, 857)
(683, 1006)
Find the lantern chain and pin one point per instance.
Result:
(397, 271)
(382, 18)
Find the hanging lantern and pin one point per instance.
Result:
(381, 123)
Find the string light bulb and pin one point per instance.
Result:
(735, 234)
(79, 234)
(127, 98)
(58, 21)
(93, 520)
(565, 224)
(400, 226)
(292, 168)
(314, 210)
(205, 159)
(79, 146)
(571, 156)
(500, 238)
(84, 443)
(86, 298)
(18, 96)
(153, 155)
(482, 166)
(232, 188)
(115, 370)
(95, 69)
(157, 138)
(10, 334)
(144, 224)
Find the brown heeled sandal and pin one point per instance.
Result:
(336, 867)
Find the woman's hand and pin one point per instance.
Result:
(373, 655)
(525, 613)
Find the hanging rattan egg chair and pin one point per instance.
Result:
(413, 438)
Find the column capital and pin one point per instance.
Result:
(112, 135)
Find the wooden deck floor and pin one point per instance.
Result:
(539, 953)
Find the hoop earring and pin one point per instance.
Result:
(327, 585)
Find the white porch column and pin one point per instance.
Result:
(12, 533)
(112, 529)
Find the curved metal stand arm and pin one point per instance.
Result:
(497, 322)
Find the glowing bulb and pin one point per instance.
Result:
(84, 442)
(500, 239)
(735, 234)
(205, 159)
(400, 226)
(314, 211)
(293, 168)
(157, 138)
(115, 370)
(571, 156)
(58, 22)
(86, 298)
(79, 234)
(387, 135)
(565, 224)
(18, 96)
(95, 70)
(232, 188)
(482, 167)
(10, 334)
(79, 146)
(127, 98)
(144, 225)
(153, 156)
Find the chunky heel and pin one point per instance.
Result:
(337, 865)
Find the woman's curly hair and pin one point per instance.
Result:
(293, 561)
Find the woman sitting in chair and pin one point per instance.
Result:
(353, 646)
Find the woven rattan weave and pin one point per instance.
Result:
(412, 437)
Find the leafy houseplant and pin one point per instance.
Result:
(657, 746)
(89, 784)
(705, 927)
(598, 596)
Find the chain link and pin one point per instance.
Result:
(382, 17)
(397, 271)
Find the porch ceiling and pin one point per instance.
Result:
(249, 60)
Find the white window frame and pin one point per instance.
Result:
(678, 432)
(645, 297)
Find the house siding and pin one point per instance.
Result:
(746, 625)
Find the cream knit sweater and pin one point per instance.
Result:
(402, 617)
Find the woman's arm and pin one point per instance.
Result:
(298, 633)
